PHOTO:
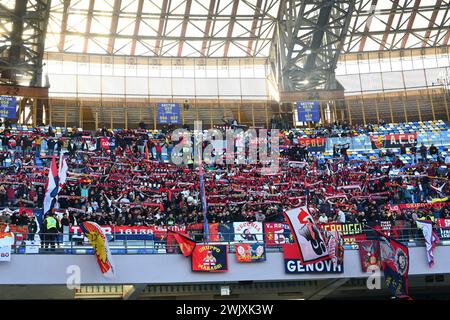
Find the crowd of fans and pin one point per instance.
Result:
(120, 178)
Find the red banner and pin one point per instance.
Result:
(276, 233)
(410, 206)
(393, 140)
(387, 228)
(104, 143)
(313, 144)
(210, 258)
(369, 253)
(442, 223)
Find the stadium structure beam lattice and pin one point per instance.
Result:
(309, 39)
(22, 47)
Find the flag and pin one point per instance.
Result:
(250, 252)
(186, 244)
(204, 205)
(6, 241)
(309, 245)
(369, 254)
(39, 218)
(431, 239)
(51, 188)
(147, 157)
(335, 245)
(62, 172)
(210, 258)
(97, 238)
(394, 258)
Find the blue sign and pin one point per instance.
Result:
(169, 113)
(8, 107)
(308, 111)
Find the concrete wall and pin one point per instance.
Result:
(171, 269)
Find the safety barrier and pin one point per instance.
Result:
(71, 244)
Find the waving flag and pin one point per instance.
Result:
(431, 239)
(186, 244)
(52, 186)
(62, 172)
(369, 254)
(395, 264)
(335, 245)
(309, 245)
(97, 238)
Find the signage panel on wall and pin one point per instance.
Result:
(8, 107)
(169, 113)
(308, 111)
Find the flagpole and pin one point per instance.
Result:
(202, 191)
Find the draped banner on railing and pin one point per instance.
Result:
(210, 258)
(443, 228)
(411, 206)
(314, 144)
(350, 232)
(248, 231)
(157, 233)
(276, 233)
(250, 252)
(393, 140)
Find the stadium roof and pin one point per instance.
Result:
(226, 28)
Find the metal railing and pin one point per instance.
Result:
(128, 244)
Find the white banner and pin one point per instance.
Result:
(6, 239)
(248, 232)
(307, 235)
(5, 254)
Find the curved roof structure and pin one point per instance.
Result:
(229, 28)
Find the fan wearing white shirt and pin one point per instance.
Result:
(323, 218)
(341, 216)
(447, 159)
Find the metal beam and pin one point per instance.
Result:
(431, 23)
(168, 38)
(114, 23)
(187, 11)
(389, 25)
(62, 36)
(412, 17)
(309, 40)
(16, 47)
(209, 20)
(368, 23)
(447, 37)
(21, 58)
(317, 38)
(208, 28)
(400, 24)
(136, 27)
(88, 25)
(254, 25)
(162, 21)
(231, 27)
